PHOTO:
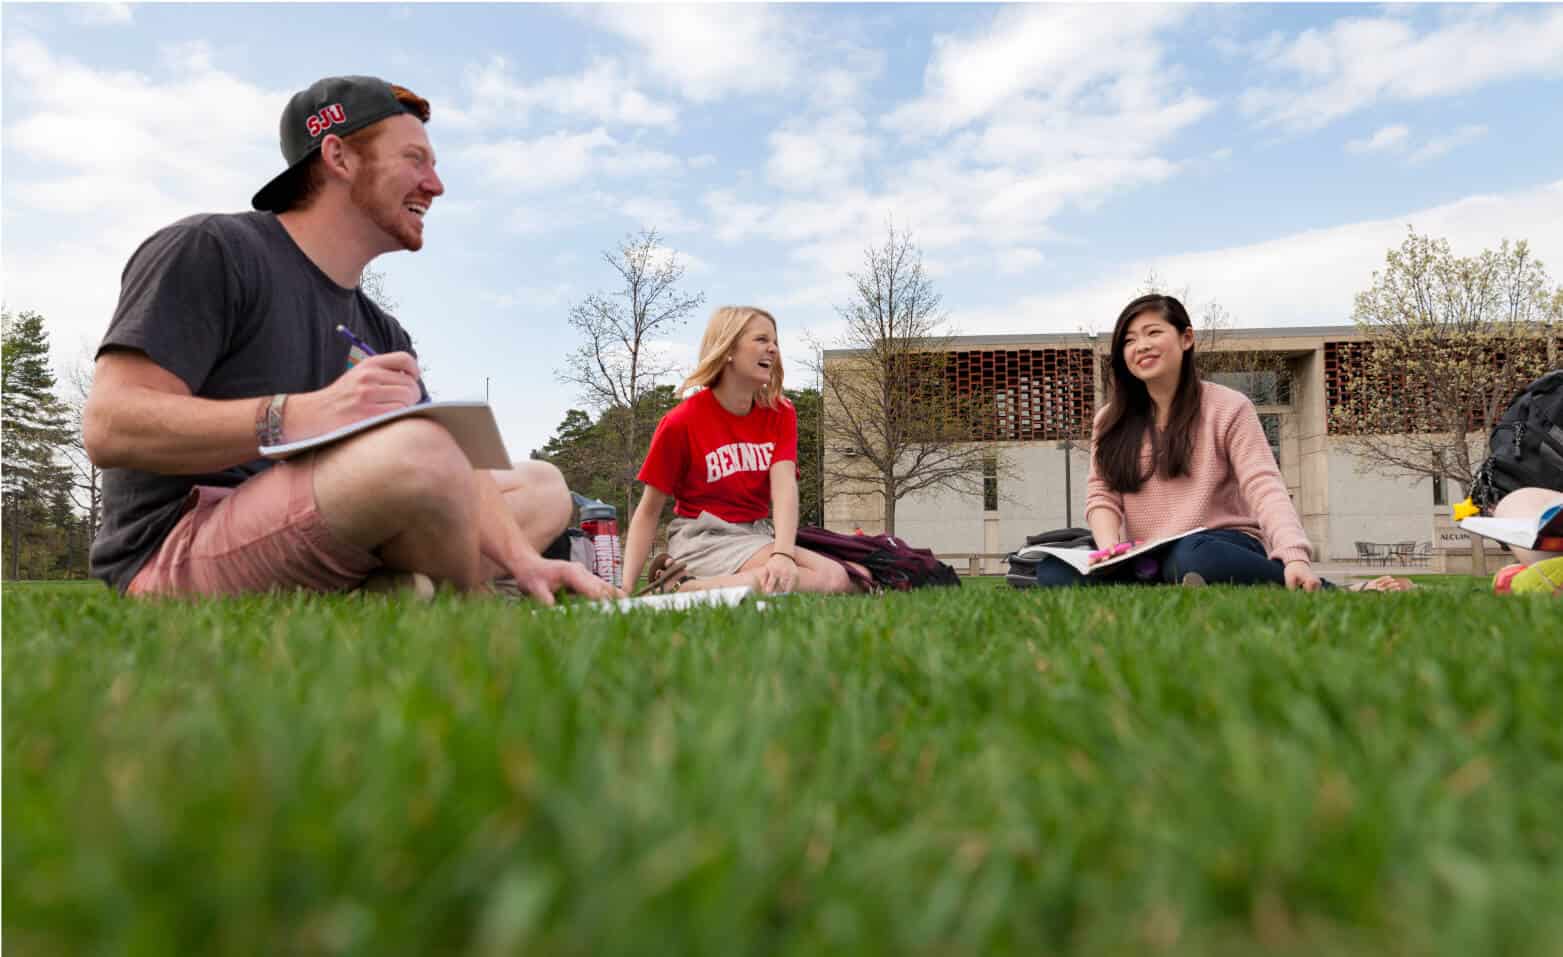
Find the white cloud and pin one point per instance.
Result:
(1397, 139)
(1019, 260)
(1359, 62)
(1439, 145)
(1307, 278)
(548, 297)
(560, 159)
(1039, 110)
(102, 14)
(1384, 139)
(1054, 53)
(819, 153)
(663, 215)
(732, 218)
(83, 207)
(604, 92)
(665, 254)
(709, 52)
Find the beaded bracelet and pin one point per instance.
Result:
(268, 419)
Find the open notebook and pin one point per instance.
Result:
(471, 424)
(1080, 558)
(1520, 532)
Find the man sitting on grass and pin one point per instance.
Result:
(224, 340)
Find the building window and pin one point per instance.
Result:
(1262, 386)
(1271, 423)
(1440, 494)
(990, 484)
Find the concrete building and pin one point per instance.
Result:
(1045, 389)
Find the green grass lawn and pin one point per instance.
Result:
(1111, 771)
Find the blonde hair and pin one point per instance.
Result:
(722, 332)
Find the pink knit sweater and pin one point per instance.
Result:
(1233, 482)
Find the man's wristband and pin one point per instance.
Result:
(268, 419)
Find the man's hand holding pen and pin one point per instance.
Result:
(378, 384)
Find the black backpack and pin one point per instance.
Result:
(892, 562)
(1023, 571)
(1526, 448)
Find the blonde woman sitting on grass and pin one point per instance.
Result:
(727, 455)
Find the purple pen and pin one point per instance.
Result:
(363, 346)
(367, 350)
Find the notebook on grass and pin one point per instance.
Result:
(471, 424)
(684, 599)
(1080, 558)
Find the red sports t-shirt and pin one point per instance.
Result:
(711, 460)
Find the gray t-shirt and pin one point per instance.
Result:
(231, 305)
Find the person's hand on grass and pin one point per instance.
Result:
(541, 577)
(1300, 575)
(1385, 583)
(779, 574)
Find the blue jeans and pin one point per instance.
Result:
(1222, 556)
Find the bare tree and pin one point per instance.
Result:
(1219, 352)
(890, 418)
(85, 484)
(617, 365)
(1450, 342)
(372, 282)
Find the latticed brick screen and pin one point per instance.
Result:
(1035, 394)
(1345, 363)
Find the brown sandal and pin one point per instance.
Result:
(663, 575)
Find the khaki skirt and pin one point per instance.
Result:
(712, 547)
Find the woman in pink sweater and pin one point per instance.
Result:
(1170, 452)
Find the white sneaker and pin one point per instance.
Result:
(417, 585)
(1193, 580)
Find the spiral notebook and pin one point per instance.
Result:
(471, 424)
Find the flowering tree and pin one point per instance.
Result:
(1450, 341)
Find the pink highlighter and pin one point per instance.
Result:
(1102, 554)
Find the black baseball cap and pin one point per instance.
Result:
(336, 104)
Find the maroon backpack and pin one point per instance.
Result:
(891, 562)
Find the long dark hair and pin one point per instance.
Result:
(1130, 412)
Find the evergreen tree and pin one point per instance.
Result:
(811, 499)
(35, 426)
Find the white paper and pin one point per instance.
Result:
(471, 424)
(1080, 558)
(682, 599)
(1520, 532)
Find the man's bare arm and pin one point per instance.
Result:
(141, 416)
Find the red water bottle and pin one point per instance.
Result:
(600, 522)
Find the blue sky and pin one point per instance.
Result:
(1046, 158)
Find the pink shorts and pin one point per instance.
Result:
(265, 534)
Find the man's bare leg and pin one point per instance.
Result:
(539, 499)
(406, 490)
